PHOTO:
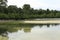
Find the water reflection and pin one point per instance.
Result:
(37, 33)
(30, 32)
(27, 29)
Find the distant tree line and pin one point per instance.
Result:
(26, 12)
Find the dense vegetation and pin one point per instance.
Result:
(26, 12)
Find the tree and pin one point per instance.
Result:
(26, 10)
(12, 9)
(3, 9)
(26, 7)
(19, 10)
(3, 3)
(47, 11)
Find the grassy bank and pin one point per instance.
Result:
(10, 22)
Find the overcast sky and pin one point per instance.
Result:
(37, 4)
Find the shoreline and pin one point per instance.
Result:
(30, 21)
(43, 22)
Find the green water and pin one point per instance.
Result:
(29, 32)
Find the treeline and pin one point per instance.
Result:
(26, 12)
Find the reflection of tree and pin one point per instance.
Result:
(14, 29)
(40, 25)
(3, 38)
(2, 31)
(27, 29)
(3, 34)
(48, 25)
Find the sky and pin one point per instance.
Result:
(37, 4)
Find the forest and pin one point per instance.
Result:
(26, 12)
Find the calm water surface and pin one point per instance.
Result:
(34, 32)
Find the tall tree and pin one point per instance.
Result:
(12, 9)
(3, 3)
(47, 11)
(26, 10)
(26, 7)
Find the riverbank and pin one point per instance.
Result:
(43, 22)
(10, 22)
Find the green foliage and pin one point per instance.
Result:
(26, 7)
(15, 13)
(12, 9)
(3, 3)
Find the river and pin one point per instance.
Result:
(32, 32)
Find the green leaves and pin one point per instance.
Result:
(15, 13)
(3, 3)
